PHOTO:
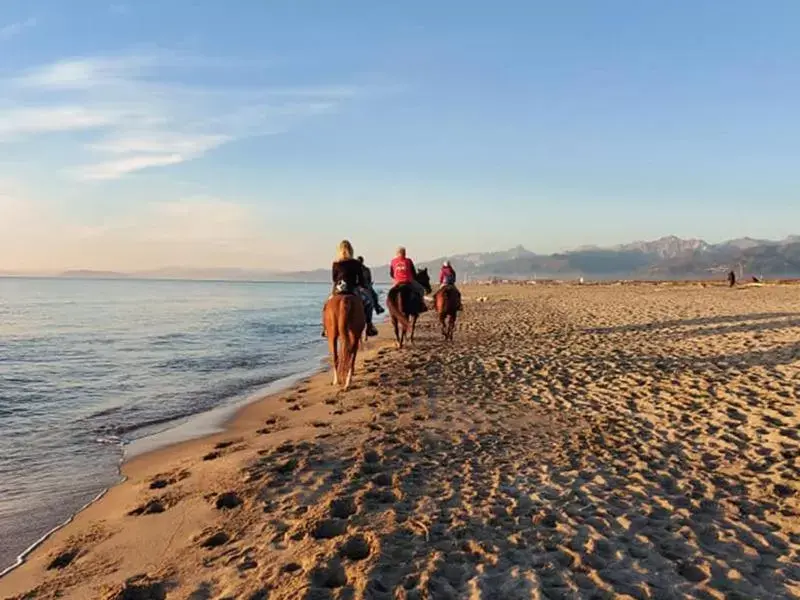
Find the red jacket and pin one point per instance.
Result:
(447, 276)
(402, 270)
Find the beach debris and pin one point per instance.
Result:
(212, 456)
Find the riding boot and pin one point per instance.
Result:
(378, 308)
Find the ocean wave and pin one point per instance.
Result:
(210, 364)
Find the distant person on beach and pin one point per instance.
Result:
(347, 275)
(403, 272)
(731, 279)
(370, 288)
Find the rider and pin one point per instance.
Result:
(447, 276)
(347, 275)
(403, 272)
(368, 285)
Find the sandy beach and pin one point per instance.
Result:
(616, 441)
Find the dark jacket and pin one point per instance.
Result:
(349, 271)
(367, 275)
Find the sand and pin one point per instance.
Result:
(572, 442)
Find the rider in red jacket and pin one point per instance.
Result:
(447, 276)
(403, 272)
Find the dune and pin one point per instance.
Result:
(614, 441)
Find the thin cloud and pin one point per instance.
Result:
(143, 112)
(115, 169)
(160, 142)
(25, 121)
(14, 29)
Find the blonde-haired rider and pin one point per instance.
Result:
(347, 275)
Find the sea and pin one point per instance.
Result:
(94, 370)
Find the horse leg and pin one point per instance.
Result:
(332, 343)
(413, 327)
(351, 357)
(451, 326)
(396, 333)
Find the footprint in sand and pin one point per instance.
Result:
(63, 560)
(141, 588)
(342, 508)
(356, 548)
(220, 538)
(166, 479)
(329, 576)
(329, 528)
(291, 567)
(151, 507)
(228, 501)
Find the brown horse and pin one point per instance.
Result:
(344, 324)
(404, 308)
(447, 301)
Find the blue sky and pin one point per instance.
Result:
(258, 134)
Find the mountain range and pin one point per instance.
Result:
(665, 258)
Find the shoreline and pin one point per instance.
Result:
(206, 424)
(221, 418)
(226, 421)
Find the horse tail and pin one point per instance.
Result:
(394, 302)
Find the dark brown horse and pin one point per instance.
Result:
(344, 323)
(403, 306)
(448, 302)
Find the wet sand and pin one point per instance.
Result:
(572, 442)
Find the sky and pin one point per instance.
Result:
(257, 134)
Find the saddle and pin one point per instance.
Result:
(342, 289)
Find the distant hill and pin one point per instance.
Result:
(209, 273)
(92, 274)
(668, 257)
(665, 258)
